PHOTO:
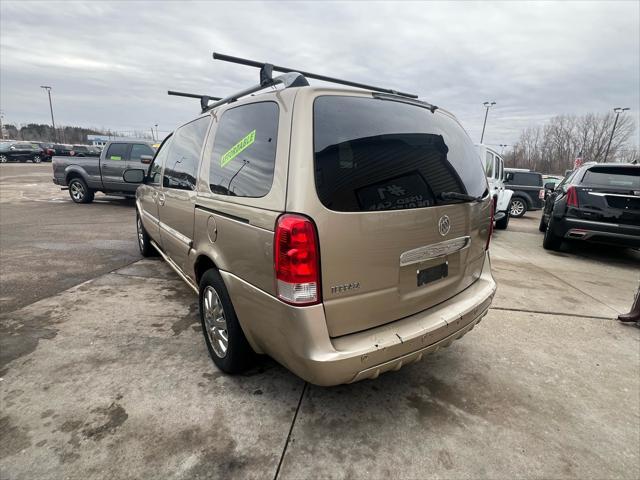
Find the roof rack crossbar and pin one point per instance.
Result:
(204, 99)
(266, 67)
(291, 79)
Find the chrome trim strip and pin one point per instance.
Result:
(602, 194)
(434, 250)
(591, 222)
(150, 217)
(176, 234)
(175, 268)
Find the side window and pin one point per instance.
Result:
(244, 152)
(499, 168)
(181, 167)
(138, 149)
(488, 168)
(155, 171)
(117, 151)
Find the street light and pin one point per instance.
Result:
(53, 123)
(618, 111)
(157, 136)
(487, 105)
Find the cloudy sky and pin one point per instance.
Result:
(111, 63)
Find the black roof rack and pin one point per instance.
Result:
(204, 99)
(267, 68)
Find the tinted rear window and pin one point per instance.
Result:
(527, 179)
(373, 154)
(622, 177)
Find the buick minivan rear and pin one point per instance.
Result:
(382, 254)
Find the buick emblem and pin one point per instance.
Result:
(444, 225)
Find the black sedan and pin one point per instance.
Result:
(596, 203)
(20, 152)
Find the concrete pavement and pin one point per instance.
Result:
(111, 379)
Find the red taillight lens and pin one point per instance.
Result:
(493, 208)
(572, 197)
(297, 260)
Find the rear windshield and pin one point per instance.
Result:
(624, 177)
(373, 154)
(527, 179)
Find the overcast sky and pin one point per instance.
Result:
(111, 63)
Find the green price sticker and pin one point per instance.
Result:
(234, 151)
(116, 157)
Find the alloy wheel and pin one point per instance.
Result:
(140, 233)
(3, 159)
(77, 191)
(37, 159)
(215, 322)
(517, 208)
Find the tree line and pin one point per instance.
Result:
(554, 147)
(65, 134)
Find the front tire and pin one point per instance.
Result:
(79, 191)
(503, 223)
(551, 240)
(227, 345)
(144, 240)
(36, 159)
(518, 207)
(3, 159)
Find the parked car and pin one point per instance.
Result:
(341, 232)
(550, 182)
(20, 152)
(528, 191)
(85, 175)
(62, 150)
(85, 151)
(596, 203)
(495, 172)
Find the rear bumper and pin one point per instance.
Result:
(600, 232)
(59, 181)
(298, 338)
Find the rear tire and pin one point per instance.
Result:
(227, 345)
(551, 240)
(79, 191)
(503, 223)
(518, 207)
(36, 159)
(144, 240)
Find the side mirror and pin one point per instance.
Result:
(509, 176)
(146, 159)
(133, 175)
(549, 186)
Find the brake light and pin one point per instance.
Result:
(572, 197)
(541, 194)
(297, 260)
(493, 207)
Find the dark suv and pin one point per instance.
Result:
(528, 192)
(597, 203)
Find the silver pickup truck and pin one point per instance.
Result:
(83, 176)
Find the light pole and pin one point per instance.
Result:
(487, 105)
(502, 147)
(1, 127)
(53, 123)
(618, 111)
(157, 136)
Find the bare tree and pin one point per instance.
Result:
(553, 147)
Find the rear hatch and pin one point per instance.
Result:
(609, 194)
(391, 243)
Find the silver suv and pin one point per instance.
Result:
(343, 232)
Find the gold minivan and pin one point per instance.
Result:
(342, 232)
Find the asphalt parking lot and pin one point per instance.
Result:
(105, 373)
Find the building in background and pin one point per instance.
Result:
(101, 140)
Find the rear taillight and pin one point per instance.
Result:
(297, 260)
(493, 208)
(541, 194)
(572, 197)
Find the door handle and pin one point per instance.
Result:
(161, 199)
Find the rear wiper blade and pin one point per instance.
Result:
(458, 196)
